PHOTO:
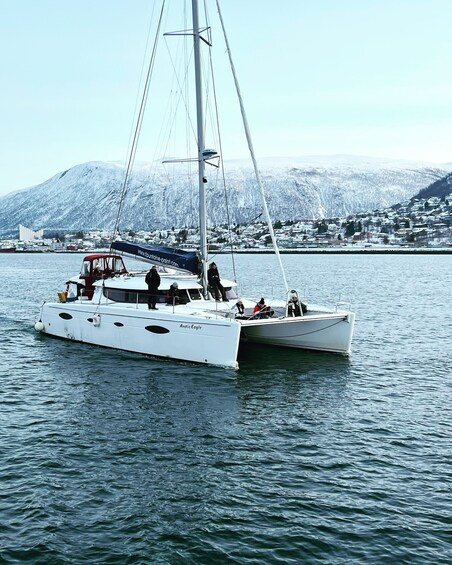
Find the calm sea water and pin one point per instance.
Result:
(107, 457)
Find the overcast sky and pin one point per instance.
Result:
(362, 77)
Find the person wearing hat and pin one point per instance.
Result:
(173, 294)
(260, 309)
(293, 308)
(240, 308)
(153, 282)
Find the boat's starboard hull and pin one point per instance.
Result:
(321, 332)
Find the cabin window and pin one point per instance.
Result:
(230, 293)
(128, 296)
(118, 266)
(194, 294)
(141, 296)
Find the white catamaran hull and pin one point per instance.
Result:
(172, 335)
(322, 332)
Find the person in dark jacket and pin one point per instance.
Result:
(213, 278)
(153, 281)
(295, 307)
(240, 308)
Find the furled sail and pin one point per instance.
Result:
(159, 255)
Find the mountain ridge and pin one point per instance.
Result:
(87, 195)
(440, 188)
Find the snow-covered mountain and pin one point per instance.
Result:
(440, 188)
(87, 195)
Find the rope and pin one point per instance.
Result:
(251, 149)
(139, 123)
(226, 244)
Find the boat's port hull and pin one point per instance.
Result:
(161, 333)
(320, 332)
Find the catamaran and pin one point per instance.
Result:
(107, 305)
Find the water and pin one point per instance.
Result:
(108, 457)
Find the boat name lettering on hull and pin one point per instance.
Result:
(191, 326)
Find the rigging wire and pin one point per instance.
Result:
(182, 99)
(183, 88)
(251, 149)
(139, 123)
(250, 222)
(143, 64)
(220, 147)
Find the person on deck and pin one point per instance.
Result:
(213, 278)
(295, 307)
(153, 282)
(261, 310)
(173, 294)
(97, 271)
(240, 308)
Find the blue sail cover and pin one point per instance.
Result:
(165, 256)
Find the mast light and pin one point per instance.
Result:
(209, 154)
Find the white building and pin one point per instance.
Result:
(26, 234)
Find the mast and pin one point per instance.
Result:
(200, 136)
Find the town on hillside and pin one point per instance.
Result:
(420, 223)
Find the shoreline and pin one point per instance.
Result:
(297, 251)
(352, 251)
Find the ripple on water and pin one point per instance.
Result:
(108, 457)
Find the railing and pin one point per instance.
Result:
(343, 305)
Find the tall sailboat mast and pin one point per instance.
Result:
(200, 138)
